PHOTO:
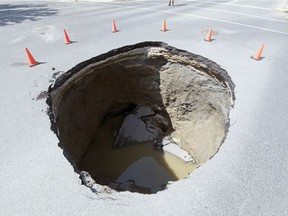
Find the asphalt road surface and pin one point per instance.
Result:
(248, 176)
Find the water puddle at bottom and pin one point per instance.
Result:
(135, 168)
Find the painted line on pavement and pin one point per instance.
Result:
(229, 3)
(242, 14)
(198, 16)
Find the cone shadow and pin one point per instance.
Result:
(72, 42)
(261, 58)
(209, 40)
(116, 31)
(37, 63)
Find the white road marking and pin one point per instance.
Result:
(198, 16)
(229, 3)
(234, 23)
(242, 14)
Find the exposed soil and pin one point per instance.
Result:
(189, 95)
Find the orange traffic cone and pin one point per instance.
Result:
(31, 60)
(209, 35)
(164, 26)
(257, 55)
(66, 38)
(114, 29)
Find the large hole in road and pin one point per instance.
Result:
(140, 116)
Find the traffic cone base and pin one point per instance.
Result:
(256, 59)
(257, 55)
(30, 58)
(208, 40)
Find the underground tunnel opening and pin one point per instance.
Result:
(140, 116)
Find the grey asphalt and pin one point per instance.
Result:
(248, 176)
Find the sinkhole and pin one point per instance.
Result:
(140, 116)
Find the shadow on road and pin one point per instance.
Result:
(180, 5)
(11, 14)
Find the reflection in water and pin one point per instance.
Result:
(136, 168)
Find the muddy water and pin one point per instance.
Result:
(137, 168)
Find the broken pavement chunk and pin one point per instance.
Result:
(136, 130)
